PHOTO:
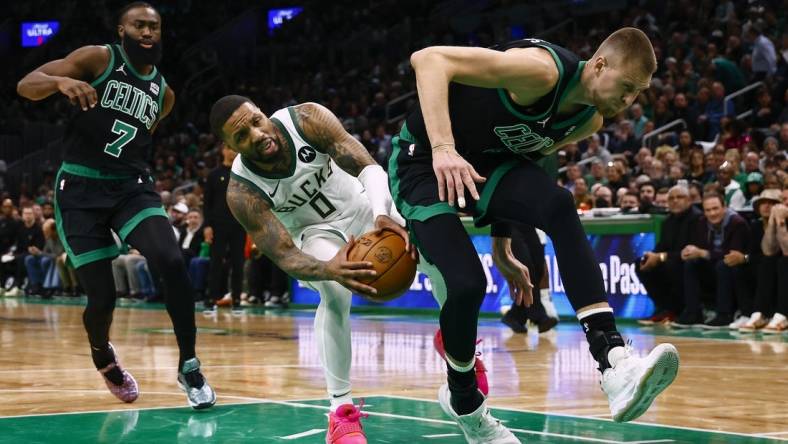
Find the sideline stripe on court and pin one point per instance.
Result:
(694, 429)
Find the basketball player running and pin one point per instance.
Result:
(485, 116)
(303, 188)
(105, 184)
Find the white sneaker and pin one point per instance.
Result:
(547, 303)
(740, 321)
(756, 322)
(778, 324)
(633, 382)
(479, 427)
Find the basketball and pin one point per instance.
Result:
(394, 266)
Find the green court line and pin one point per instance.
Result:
(393, 419)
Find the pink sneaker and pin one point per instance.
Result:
(344, 425)
(126, 392)
(479, 368)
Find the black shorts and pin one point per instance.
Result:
(88, 204)
(414, 186)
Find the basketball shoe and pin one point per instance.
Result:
(479, 427)
(632, 383)
(128, 390)
(778, 324)
(344, 425)
(191, 381)
(478, 367)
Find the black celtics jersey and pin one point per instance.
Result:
(486, 122)
(115, 136)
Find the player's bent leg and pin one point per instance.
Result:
(332, 335)
(444, 244)
(155, 240)
(99, 285)
(552, 209)
(439, 293)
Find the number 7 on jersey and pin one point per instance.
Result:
(125, 134)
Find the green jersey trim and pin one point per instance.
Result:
(298, 128)
(581, 116)
(131, 67)
(84, 171)
(162, 86)
(107, 71)
(510, 104)
(253, 186)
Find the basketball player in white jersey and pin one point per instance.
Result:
(303, 188)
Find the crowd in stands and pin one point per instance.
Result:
(719, 174)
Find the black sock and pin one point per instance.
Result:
(103, 357)
(602, 336)
(465, 394)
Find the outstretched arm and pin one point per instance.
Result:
(255, 215)
(68, 76)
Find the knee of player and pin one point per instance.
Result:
(334, 296)
(168, 260)
(470, 284)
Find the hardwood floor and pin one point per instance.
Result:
(726, 382)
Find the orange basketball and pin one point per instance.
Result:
(394, 266)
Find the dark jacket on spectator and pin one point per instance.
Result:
(193, 249)
(28, 237)
(677, 231)
(8, 233)
(216, 210)
(735, 234)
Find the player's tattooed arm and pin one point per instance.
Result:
(269, 235)
(254, 213)
(324, 131)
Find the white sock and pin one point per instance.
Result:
(616, 354)
(341, 400)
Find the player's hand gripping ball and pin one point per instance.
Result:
(395, 268)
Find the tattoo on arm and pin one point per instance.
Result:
(325, 131)
(267, 232)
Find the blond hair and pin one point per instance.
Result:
(630, 47)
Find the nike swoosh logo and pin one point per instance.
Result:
(275, 189)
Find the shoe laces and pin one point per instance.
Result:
(349, 421)
(195, 379)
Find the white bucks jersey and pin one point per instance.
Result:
(315, 194)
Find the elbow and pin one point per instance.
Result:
(422, 57)
(417, 57)
(22, 90)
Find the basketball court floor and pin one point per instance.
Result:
(731, 388)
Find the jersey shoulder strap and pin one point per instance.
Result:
(109, 69)
(241, 172)
(565, 61)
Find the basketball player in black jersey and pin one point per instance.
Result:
(105, 184)
(485, 117)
